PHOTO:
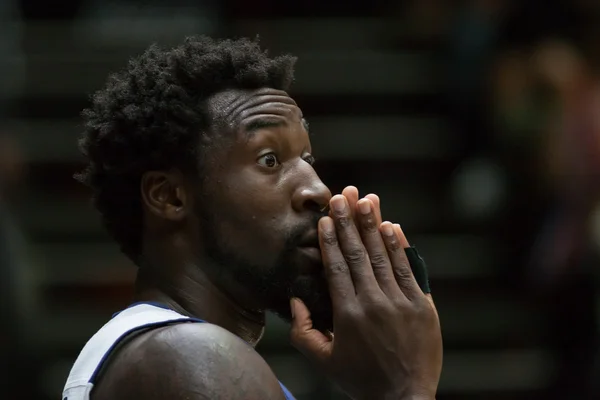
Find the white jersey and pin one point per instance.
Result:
(136, 318)
(139, 317)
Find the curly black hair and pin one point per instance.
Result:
(150, 117)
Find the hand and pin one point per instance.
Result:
(352, 196)
(387, 340)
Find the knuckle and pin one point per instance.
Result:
(401, 279)
(393, 244)
(378, 259)
(375, 306)
(338, 267)
(399, 303)
(330, 239)
(369, 224)
(423, 308)
(418, 310)
(379, 310)
(350, 314)
(356, 255)
(403, 273)
(344, 221)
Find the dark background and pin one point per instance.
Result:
(477, 122)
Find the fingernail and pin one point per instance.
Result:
(387, 228)
(399, 228)
(364, 206)
(373, 197)
(326, 225)
(338, 203)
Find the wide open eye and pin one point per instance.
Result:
(268, 160)
(309, 158)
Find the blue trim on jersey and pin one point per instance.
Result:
(286, 392)
(288, 395)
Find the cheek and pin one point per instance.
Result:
(257, 195)
(253, 207)
(251, 223)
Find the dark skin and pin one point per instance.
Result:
(361, 260)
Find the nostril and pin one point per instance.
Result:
(312, 205)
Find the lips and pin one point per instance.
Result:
(308, 245)
(310, 240)
(313, 254)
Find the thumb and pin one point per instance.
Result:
(309, 341)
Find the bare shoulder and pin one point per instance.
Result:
(188, 361)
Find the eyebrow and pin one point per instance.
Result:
(266, 122)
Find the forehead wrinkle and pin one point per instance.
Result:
(222, 104)
(273, 108)
(271, 112)
(234, 106)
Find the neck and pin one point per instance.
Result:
(189, 291)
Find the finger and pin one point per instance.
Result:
(378, 255)
(339, 280)
(351, 195)
(352, 248)
(377, 203)
(395, 243)
(417, 265)
(309, 341)
(404, 243)
(401, 236)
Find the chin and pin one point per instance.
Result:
(312, 289)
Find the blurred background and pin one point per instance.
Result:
(476, 121)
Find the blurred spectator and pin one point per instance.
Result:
(564, 256)
(570, 150)
(546, 103)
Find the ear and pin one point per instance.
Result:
(164, 194)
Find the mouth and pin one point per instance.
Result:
(310, 239)
(310, 247)
(314, 253)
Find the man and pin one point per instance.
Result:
(202, 170)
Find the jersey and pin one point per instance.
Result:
(136, 319)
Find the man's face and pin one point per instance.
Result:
(261, 203)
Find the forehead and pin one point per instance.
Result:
(246, 110)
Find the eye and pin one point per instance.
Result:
(268, 160)
(309, 158)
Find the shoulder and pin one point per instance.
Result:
(188, 361)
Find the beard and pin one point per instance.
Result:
(273, 285)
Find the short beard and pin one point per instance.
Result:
(273, 285)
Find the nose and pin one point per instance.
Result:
(312, 194)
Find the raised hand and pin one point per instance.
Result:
(387, 340)
(352, 196)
